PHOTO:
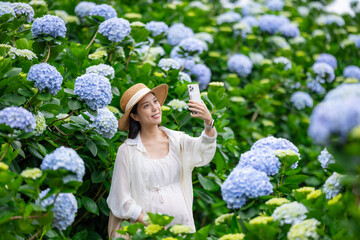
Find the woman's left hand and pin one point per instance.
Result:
(200, 110)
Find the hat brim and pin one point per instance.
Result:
(160, 92)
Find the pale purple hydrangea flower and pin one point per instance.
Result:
(324, 72)
(240, 64)
(45, 77)
(104, 10)
(157, 28)
(178, 32)
(193, 46)
(228, 17)
(275, 5)
(115, 29)
(23, 9)
(203, 74)
(84, 8)
(48, 25)
(105, 123)
(272, 23)
(301, 100)
(327, 58)
(18, 118)
(352, 72)
(289, 30)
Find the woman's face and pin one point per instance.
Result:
(148, 111)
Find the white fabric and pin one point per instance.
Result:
(140, 184)
(139, 94)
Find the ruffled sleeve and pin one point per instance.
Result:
(120, 200)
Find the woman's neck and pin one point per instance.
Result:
(152, 132)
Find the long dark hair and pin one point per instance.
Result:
(134, 126)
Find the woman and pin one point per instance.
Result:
(153, 167)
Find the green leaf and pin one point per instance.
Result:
(90, 205)
(98, 176)
(74, 104)
(296, 179)
(12, 100)
(161, 219)
(104, 208)
(25, 92)
(69, 91)
(22, 43)
(207, 184)
(115, 91)
(92, 147)
(35, 152)
(43, 96)
(12, 73)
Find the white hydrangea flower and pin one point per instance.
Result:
(290, 213)
(177, 104)
(304, 230)
(25, 53)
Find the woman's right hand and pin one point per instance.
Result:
(141, 219)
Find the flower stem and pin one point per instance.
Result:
(128, 60)
(61, 118)
(7, 148)
(13, 41)
(48, 54)
(92, 40)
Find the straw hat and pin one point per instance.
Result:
(133, 95)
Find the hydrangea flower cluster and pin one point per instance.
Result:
(193, 46)
(65, 158)
(223, 218)
(277, 201)
(240, 64)
(325, 158)
(94, 89)
(33, 173)
(45, 76)
(355, 38)
(337, 114)
(242, 29)
(327, 58)
(25, 53)
(263, 160)
(275, 5)
(157, 28)
(256, 58)
(199, 5)
(115, 29)
(261, 220)
(290, 213)
(205, 37)
(64, 209)
(244, 183)
(99, 53)
(324, 72)
(103, 10)
(84, 8)
(228, 17)
(23, 9)
(177, 104)
(284, 61)
(276, 144)
(6, 8)
(40, 124)
(203, 74)
(352, 72)
(289, 30)
(332, 19)
(304, 230)
(272, 23)
(180, 229)
(301, 100)
(178, 32)
(152, 229)
(48, 25)
(167, 63)
(278, 42)
(332, 186)
(66, 17)
(102, 70)
(183, 58)
(233, 236)
(251, 21)
(105, 123)
(18, 118)
(315, 86)
(184, 77)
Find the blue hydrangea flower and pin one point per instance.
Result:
(167, 63)
(105, 123)
(240, 64)
(182, 58)
(284, 61)
(325, 158)
(315, 86)
(18, 118)
(352, 72)
(228, 17)
(6, 8)
(332, 186)
(355, 38)
(205, 37)
(327, 58)
(244, 183)
(289, 30)
(184, 77)
(242, 29)
(203, 74)
(251, 21)
(252, 8)
(23, 9)
(104, 10)
(276, 144)
(334, 19)
(193, 45)
(94, 89)
(324, 72)
(64, 209)
(48, 25)
(115, 29)
(157, 28)
(272, 23)
(178, 32)
(275, 5)
(290, 213)
(65, 158)
(263, 160)
(343, 91)
(301, 100)
(334, 117)
(102, 69)
(84, 8)
(45, 76)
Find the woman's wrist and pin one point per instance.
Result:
(209, 123)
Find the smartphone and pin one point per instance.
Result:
(194, 92)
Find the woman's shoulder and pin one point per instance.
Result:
(172, 133)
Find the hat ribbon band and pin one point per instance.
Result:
(136, 97)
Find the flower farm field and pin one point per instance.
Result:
(280, 77)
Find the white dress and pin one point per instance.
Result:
(140, 184)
